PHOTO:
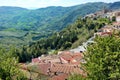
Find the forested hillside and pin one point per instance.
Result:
(24, 26)
(70, 37)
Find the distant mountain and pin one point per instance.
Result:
(115, 5)
(50, 18)
(7, 9)
(79, 11)
(42, 22)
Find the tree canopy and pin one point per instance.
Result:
(9, 68)
(102, 60)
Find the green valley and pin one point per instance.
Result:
(24, 26)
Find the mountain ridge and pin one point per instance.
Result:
(43, 22)
(42, 15)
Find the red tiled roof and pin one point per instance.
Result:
(59, 77)
(62, 60)
(78, 55)
(108, 27)
(66, 57)
(44, 67)
(66, 52)
(73, 57)
(66, 68)
(116, 23)
(35, 60)
(104, 33)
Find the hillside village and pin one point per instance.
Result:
(66, 63)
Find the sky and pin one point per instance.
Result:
(45, 3)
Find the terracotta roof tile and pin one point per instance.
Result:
(66, 57)
(71, 58)
(116, 23)
(36, 60)
(44, 67)
(59, 77)
(109, 33)
(66, 68)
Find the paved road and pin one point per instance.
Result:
(83, 46)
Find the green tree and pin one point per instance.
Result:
(103, 59)
(113, 18)
(76, 77)
(9, 69)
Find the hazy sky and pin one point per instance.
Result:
(45, 3)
